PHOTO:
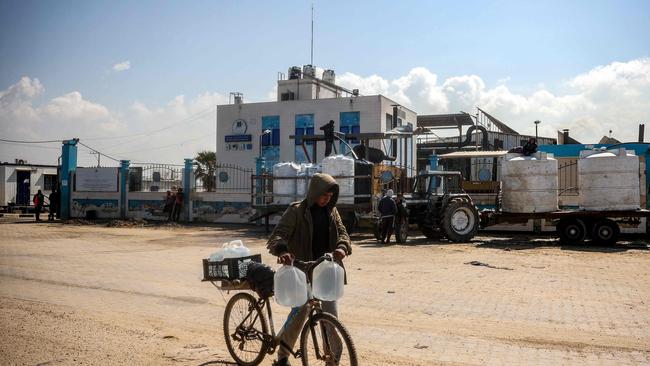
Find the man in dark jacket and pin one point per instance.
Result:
(387, 211)
(328, 131)
(307, 230)
(54, 204)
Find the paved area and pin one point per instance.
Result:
(90, 294)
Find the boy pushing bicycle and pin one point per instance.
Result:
(307, 230)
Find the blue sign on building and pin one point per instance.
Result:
(238, 138)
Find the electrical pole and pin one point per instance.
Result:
(536, 123)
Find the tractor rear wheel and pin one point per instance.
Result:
(460, 221)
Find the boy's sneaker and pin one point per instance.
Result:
(282, 362)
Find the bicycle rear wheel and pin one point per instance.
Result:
(244, 327)
(325, 341)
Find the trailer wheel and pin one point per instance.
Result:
(571, 231)
(350, 222)
(605, 232)
(460, 221)
(402, 229)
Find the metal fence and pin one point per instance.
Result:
(155, 177)
(568, 178)
(223, 178)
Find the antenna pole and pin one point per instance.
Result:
(312, 34)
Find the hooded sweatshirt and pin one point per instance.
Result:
(295, 231)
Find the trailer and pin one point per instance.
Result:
(572, 226)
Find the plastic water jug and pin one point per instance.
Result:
(290, 286)
(328, 280)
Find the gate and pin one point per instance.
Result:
(223, 178)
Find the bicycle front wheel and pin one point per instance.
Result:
(244, 327)
(325, 341)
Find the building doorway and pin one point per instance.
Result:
(22, 187)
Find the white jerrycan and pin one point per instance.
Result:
(239, 249)
(328, 280)
(290, 286)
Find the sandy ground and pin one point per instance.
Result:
(100, 295)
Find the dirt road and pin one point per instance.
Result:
(100, 295)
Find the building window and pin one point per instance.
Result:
(304, 126)
(49, 181)
(271, 142)
(349, 123)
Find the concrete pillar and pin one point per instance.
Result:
(68, 167)
(124, 178)
(188, 175)
(260, 168)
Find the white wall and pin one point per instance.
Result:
(372, 112)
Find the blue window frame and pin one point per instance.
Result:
(349, 123)
(304, 126)
(271, 142)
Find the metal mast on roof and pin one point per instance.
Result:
(311, 61)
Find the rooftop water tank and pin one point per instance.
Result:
(529, 183)
(294, 72)
(329, 76)
(282, 187)
(341, 166)
(608, 180)
(308, 71)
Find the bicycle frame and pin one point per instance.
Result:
(270, 340)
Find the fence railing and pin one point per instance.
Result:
(155, 177)
(223, 178)
(568, 178)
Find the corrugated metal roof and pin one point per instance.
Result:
(473, 154)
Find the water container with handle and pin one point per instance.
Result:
(290, 286)
(328, 280)
(239, 249)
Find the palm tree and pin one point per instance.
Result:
(206, 164)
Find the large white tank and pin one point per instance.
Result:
(608, 180)
(307, 170)
(339, 165)
(285, 186)
(529, 183)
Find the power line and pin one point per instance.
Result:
(165, 146)
(30, 145)
(31, 142)
(193, 118)
(98, 152)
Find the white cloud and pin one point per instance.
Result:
(122, 66)
(70, 115)
(613, 96)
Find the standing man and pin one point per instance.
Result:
(307, 230)
(54, 204)
(178, 204)
(39, 200)
(169, 205)
(328, 131)
(387, 210)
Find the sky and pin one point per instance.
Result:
(140, 80)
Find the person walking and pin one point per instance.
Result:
(39, 200)
(169, 205)
(387, 211)
(178, 204)
(54, 204)
(307, 230)
(328, 131)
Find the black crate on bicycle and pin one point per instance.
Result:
(229, 268)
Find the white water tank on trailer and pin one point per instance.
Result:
(285, 186)
(340, 165)
(307, 170)
(529, 183)
(609, 180)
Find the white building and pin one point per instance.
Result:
(304, 104)
(20, 181)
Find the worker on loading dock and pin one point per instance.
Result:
(387, 211)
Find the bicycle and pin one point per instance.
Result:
(248, 338)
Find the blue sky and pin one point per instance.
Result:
(193, 47)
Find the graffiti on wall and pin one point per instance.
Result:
(147, 209)
(103, 208)
(221, 210)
